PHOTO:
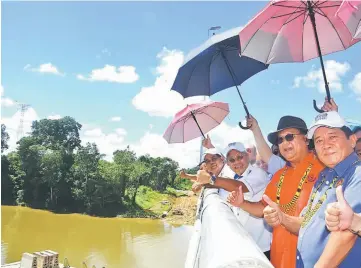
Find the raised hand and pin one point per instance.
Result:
(207, 143)
(272, 213)
(203, 177)
(236, 198)
(329, 106)
(182, 174)
(338, 215)
(196, 187)
(252, 123)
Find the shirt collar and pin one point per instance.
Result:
(341, 167)
(245, 173)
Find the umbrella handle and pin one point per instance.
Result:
(242, 127)
(316, 108)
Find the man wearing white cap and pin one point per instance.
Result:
(253, 181)
(215, 166)
(317, 247)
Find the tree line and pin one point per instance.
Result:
(51, 169)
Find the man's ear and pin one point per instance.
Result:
(353, 140)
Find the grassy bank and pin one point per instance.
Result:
(176, 206)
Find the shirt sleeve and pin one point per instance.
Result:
(271, 190)
(275, 163)
(256, 181)
(352, 191)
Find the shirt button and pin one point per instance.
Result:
(327, 182)
(298, 257)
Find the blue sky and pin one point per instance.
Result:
(47, 47)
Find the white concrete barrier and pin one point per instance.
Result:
(219, 239)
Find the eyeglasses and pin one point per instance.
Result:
(213, 159)
(288, 137)
(238, 158)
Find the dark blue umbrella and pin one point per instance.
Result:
(215, 66)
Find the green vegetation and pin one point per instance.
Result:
(51, 169)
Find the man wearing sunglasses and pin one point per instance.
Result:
(289, 188)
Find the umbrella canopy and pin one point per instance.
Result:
(195, 120)
(214, 66)
(283, 32)
(350, 14)
(296, 31)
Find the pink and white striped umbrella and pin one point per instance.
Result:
(350, 14)
(195, 120)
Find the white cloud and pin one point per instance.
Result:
(121, 131)
(7, 102)
(355, 84)
(186, 154)
(44, 68)
(12, 124)
(115, 119)
(109, 73)
(107, 143)
(95, 132)
(158, 99)
(54, 117)
(314, 79)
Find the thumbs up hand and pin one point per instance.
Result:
(272, 213)
(338, 215)
(236, 198)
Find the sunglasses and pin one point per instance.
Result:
(288, 137)
(213, 159)
(238, 158)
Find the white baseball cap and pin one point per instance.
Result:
(238, 146)
(328, 119)
(212, 151)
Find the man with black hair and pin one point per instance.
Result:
(358, 148)
(357, 132)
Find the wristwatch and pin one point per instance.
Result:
(212, 180)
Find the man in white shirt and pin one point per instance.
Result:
(254, 181)
(214, 165)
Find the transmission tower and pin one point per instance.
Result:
(23, 108)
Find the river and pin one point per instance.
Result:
(103, 242)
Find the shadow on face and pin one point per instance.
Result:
(332, 145)
(292, 144)
(238, 161)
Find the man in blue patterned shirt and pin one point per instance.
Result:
(317, 246)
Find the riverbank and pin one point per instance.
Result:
(177, 207)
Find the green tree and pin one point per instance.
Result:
(86, 175)
(4, 138)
